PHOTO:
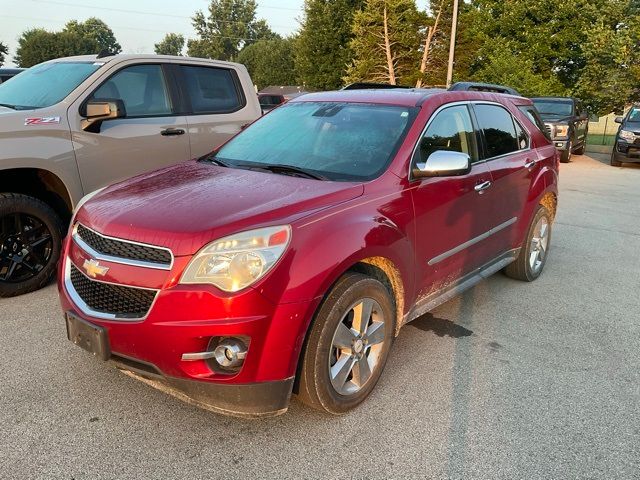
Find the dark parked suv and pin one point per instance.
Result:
(567, 123)
(627, 145)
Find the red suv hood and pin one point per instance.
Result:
(186, 206)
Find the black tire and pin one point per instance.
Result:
(315, 387)
(565, 155)
(614, 162)
(580, 150)
(45, 268)
(521, 268)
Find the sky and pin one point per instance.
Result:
(137, 24)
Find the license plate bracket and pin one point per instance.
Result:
(90, 337)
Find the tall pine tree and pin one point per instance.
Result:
(386, 43)
(322, 50)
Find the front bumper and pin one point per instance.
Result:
(627, 152)
(185, 319)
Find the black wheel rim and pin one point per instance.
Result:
(26, 246)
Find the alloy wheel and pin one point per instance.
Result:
(539, 244)
(26, 246)
(356, 346)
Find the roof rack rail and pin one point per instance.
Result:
(371, 86)
(482, 87)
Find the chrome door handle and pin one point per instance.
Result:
(530, 164)
(481, 187)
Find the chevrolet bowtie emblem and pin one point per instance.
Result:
(94, 269)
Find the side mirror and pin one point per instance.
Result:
(443, 163)
(97, 111)
(618, 119)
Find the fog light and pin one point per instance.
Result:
(230, 353)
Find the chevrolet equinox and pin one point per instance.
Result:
(287, 260)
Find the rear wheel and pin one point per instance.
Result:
(533, 254)
(348, 344)
(30, 242)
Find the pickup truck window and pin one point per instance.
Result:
(141, 88)
(498, 127)
(211, 90)
(451, 130)
(45, 84)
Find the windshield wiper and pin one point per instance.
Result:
(12, 107)
(211, 158)
(289, 169)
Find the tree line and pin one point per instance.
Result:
(586, 48)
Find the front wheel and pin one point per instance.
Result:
(535, 249)
(581, 149)
(565, 155)
(614, 162)
(348, 344)
(30, 243)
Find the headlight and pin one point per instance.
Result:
(86, 198)
(627, 136)
(561, 131)
(237, 261)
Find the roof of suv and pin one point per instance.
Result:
(402, 96)
(559, 99)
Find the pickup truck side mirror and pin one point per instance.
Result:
(97, 111)
(443, 163)
(618, 119)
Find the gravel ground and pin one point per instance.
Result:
(511, 380)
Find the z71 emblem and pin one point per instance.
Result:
(94, 269)
(41, 120)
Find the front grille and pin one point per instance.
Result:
(123, 249)
(549, 129)
(105, 298)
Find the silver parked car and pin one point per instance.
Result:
(73, 125)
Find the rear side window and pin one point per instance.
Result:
(450, 130)
(211, 90)
(498, 128)
(531, 112)
(141, 88)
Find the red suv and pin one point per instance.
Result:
(288, 259)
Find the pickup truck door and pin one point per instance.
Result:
(151, 136)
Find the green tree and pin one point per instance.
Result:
(38, 45)
(322, 50)
(610, 79)
(588, 48)
(386, 42)
(229, 25)
(4, 50)
(171, 44)
(270, 62)
(96, 30)
(503, 65)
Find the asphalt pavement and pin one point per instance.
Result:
(510, 380)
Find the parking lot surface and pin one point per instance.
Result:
(511, 380)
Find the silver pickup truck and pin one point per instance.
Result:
(73, 125)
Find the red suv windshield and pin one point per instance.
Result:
(340, 141)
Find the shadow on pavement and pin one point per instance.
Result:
(440, 326)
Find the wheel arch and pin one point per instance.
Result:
(41, 184)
